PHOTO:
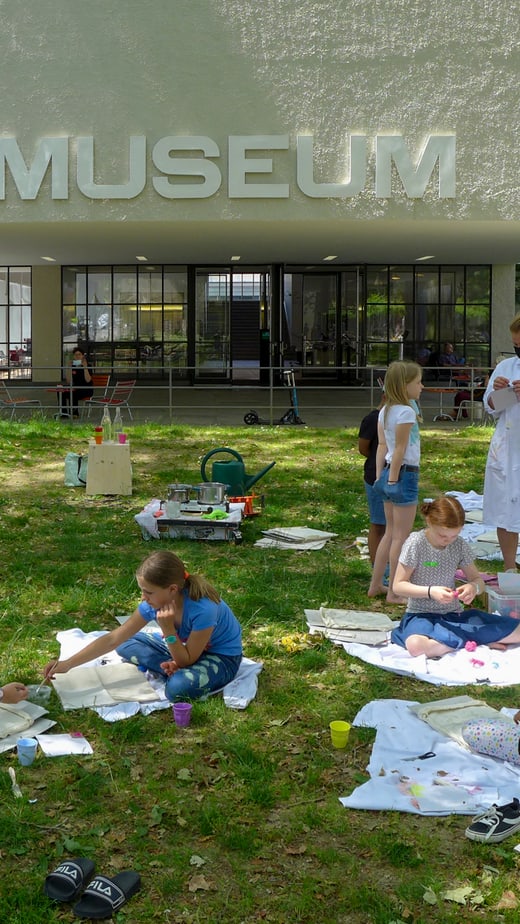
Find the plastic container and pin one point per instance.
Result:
(38, 694)
(505, 604)
(339, 732)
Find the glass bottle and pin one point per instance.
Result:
(117, 426)
(106, 423)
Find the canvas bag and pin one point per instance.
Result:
(75, 470)
(13, 720)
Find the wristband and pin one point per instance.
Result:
(429, 592)
(170, 639)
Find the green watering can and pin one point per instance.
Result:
(231, 472)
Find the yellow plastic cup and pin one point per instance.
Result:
(339, 732)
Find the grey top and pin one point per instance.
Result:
(434, 566)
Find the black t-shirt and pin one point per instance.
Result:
(368, 431)
(78, 377)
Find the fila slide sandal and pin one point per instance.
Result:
(104, 896)
(66, 882)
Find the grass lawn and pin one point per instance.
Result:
(235, 819)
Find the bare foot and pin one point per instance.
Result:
(378, 592)
(391, 598)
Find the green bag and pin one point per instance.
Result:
(75, 470)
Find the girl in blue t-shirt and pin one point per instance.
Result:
(200, 648)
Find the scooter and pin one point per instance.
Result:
(291, 416)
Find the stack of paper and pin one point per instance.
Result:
(360, 626)
(294, 537)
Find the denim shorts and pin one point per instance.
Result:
(404, 493)
(376, 507)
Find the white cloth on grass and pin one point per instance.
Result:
(454, 781)
(484, 666)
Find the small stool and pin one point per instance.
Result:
(109, 468)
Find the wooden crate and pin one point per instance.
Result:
(109, 468)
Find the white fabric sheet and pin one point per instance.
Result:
(237, 694)
(454, 781)
(484, 666)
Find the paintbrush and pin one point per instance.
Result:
(38, 688)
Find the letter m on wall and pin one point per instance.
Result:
(28, 180)
(415, 178)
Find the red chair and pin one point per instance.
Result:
(8, 401)
(99, 380)
(119, 397)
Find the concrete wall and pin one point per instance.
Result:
(46, 323)
(224, 67)
(502, 309)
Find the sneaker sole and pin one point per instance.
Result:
(492, 838)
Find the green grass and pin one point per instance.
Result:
(237, 818)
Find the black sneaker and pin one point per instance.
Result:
(497, 823)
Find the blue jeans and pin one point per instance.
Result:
(210, 672)
(404, 493)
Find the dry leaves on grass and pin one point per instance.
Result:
(200, 882)
(507, 902)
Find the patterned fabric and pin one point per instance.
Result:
(495, 737)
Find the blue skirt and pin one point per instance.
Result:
(455, 629)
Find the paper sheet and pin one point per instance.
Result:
(503, 398)
(60, 745)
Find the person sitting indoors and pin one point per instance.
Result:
(465, 394)
(79, 376)
(448, 356)
(424, 355)
(435, 622)
(12, 693)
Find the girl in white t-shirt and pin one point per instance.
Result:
(397, 468)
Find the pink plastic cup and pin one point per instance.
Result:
(121, 437)
(182, 714)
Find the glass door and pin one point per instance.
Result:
(212, 324)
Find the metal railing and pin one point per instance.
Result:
(171, 399)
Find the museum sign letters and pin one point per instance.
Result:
(190, 167)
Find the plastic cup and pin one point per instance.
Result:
(38, 694)
(98, 435)
(182, 714)
(26, 748)
(339, 732)
(121, 437)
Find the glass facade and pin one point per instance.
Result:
(127, 317)
(219, 323)
(408, 308)
(15, 322)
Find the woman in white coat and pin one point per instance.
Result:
(501, 506)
